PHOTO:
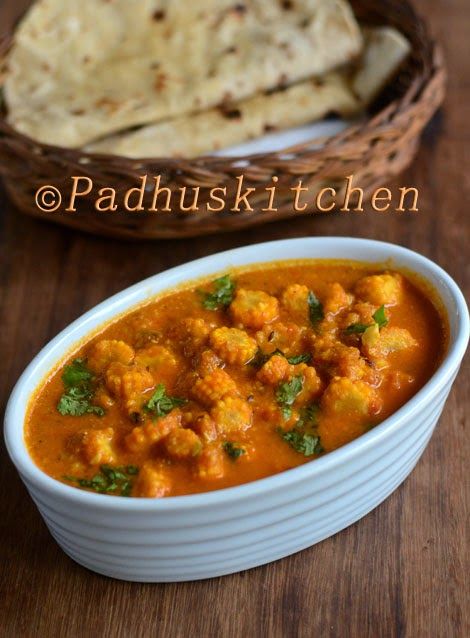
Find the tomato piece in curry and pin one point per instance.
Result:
(236, 379)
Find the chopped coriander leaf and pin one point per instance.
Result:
(287, 393)
(300, 358)
(73, 403)
(113, 474)
(309, 415)
(126, 488)
(357, 328)
(132, 470)
(232, 450)
(261, 358)
(222, 296)
(380, 317)
(110, 480)
(76, 374)
(303, 443)
(76, 405)
(286, 412)
(315, 308)
(160, 404)
(96, 409)
(303, 437)
(78, 382)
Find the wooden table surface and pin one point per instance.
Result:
(401, 571)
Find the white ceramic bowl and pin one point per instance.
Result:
(204, 535)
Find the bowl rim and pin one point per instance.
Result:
(28, 383)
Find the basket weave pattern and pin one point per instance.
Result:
(374, 152)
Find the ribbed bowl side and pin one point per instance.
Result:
(251, 530)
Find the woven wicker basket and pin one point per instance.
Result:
(374, 151)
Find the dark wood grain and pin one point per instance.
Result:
(401, 571)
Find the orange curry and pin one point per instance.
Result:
(236, 379)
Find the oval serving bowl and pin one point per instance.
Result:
(204, 535)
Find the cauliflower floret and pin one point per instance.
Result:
(295, 301)
(128, 384)
(211, 462)
(158, 360)
(231, 414)
(390, 339)
(276, 370)
(253, 308)
(144, 436)
(208, 362)
(213, 387)
(97, 446)
(182, 444)
(380, 290)
(346, 397)
(152, 482)
(233, 345)
(287, 337)
(108, 351)
(336, 299)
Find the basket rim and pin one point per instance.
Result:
(431, 67)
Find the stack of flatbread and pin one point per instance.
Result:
(148, 78)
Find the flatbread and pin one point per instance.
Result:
(212, 130)
(384, 52)
(83, 69)
(345, 93)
